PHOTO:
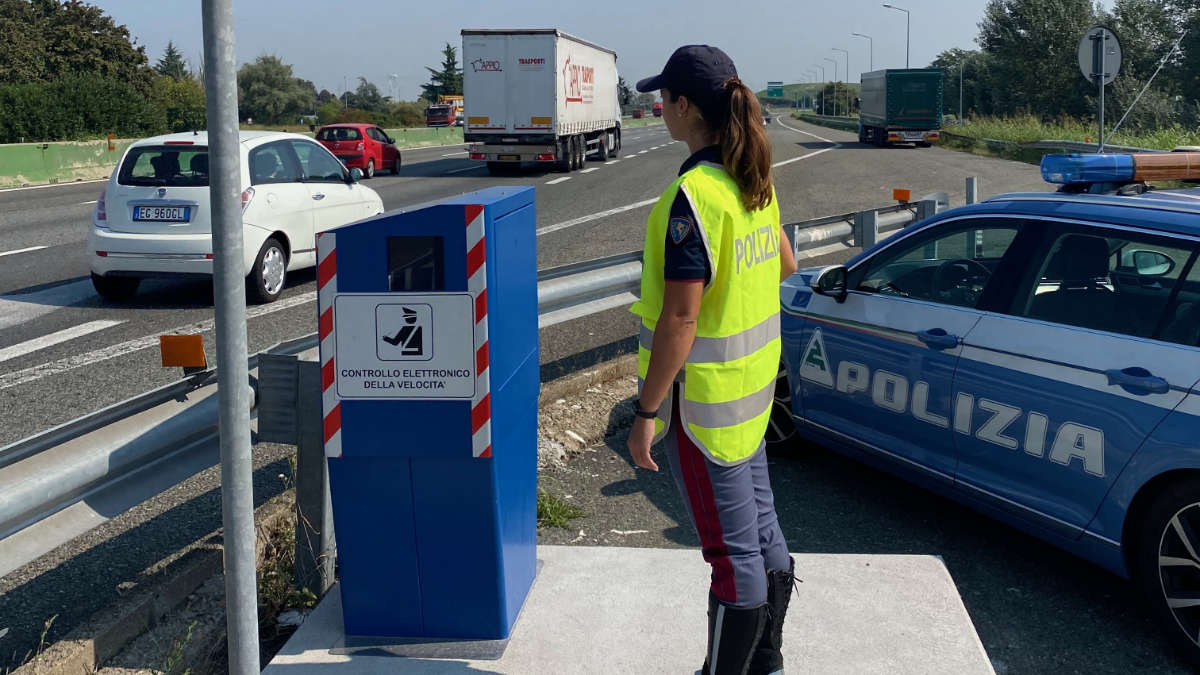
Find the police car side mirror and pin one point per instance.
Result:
(355, 175)
(832, 283)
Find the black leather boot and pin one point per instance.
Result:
(768, 657)
(733, 635)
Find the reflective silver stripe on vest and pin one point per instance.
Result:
(724, 349)
(729, 413)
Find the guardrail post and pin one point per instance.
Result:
(866, 228)
(972, 189)
(314, 515)
(926, 208)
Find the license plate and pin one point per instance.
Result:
(510, 158)
(161, 214)
(914, 136)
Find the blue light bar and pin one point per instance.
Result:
(1075, 168)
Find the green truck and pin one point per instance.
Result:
(901, 106)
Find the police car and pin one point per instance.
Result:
(1035, 356)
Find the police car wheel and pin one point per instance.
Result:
(781, 428)
(1166, 563)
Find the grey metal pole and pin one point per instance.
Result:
(229, 293)
(972, 189)
(960, 91)
(1098, 68)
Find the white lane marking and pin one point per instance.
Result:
(612, 161)
(469, 168)
(590, 170)
(835, 146)
(18, 308)
(22, 250)
(455, 154)
(642, 152)
(57, 337)
(34, 373)
(52, 185)
(86, 203)
(631, 157)
(594, 216)
(556, 181)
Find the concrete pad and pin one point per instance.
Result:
(642, 610)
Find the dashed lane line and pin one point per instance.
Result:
(21, 250)
(58, 337)
(835, 146)
(34, 373)
(590, 170)
(556, 181)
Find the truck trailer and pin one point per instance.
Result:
(538, 95)
(901, 106)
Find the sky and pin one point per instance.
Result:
(390, 43)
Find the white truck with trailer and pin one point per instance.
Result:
(538, 95)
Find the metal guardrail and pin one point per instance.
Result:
(1049, 144)
(44, 475)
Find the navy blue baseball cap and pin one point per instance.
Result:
(696, 71)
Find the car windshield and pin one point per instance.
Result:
(165, 165)
(339, 134)
(437, 110)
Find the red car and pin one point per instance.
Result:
(361, 146)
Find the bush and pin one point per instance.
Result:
(76, 107)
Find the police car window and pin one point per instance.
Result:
(272, 163)
(1106, 280)
(317, 164)
(951, 265)
(1181, 322)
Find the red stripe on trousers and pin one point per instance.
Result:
(481, 413)
(475, 258)
(333, 422)
(325, 324)
(694, 467)
(327, 269)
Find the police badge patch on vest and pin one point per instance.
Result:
(679, 228)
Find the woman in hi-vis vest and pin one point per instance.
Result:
(708, 352)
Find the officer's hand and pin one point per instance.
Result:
(640, 438)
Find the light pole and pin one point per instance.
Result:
(870, 48)
(835, 65)
(822, 87)
(907, 31)
(961, 63)
(815, 78)
(847, 53)
(394, 77)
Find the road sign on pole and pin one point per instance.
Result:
(775, 90)
(1100, 61)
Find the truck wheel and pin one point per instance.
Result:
(616, 144)
(576, 154)
(115, 288)
(880, 136)
(862, 135)
(565, 155)
(1163, 562)
(602, 147)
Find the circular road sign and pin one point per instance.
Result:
(1110, 61)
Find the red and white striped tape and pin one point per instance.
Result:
(481, 404)
(326, 291)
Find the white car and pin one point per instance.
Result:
(153, 219)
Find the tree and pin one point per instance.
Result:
(181, 101)
(47, 39)
(269, 93)
(366, 97)
(1033, 46)
(977, 91)
(172, 64)
(624, 91)
(448, 80)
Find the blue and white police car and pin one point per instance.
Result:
(1035, 356)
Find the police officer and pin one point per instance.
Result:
(709, 349)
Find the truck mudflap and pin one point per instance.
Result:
(512, 153)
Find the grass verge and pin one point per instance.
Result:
(1028, 129)
(553, 511)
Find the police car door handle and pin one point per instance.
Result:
(1137, 381)
(937, 338)
(318, 196)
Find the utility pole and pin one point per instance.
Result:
(233, 377)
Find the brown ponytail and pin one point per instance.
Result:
(745, 149)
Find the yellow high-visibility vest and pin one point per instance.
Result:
(727, 385)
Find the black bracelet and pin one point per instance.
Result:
(641, 412)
